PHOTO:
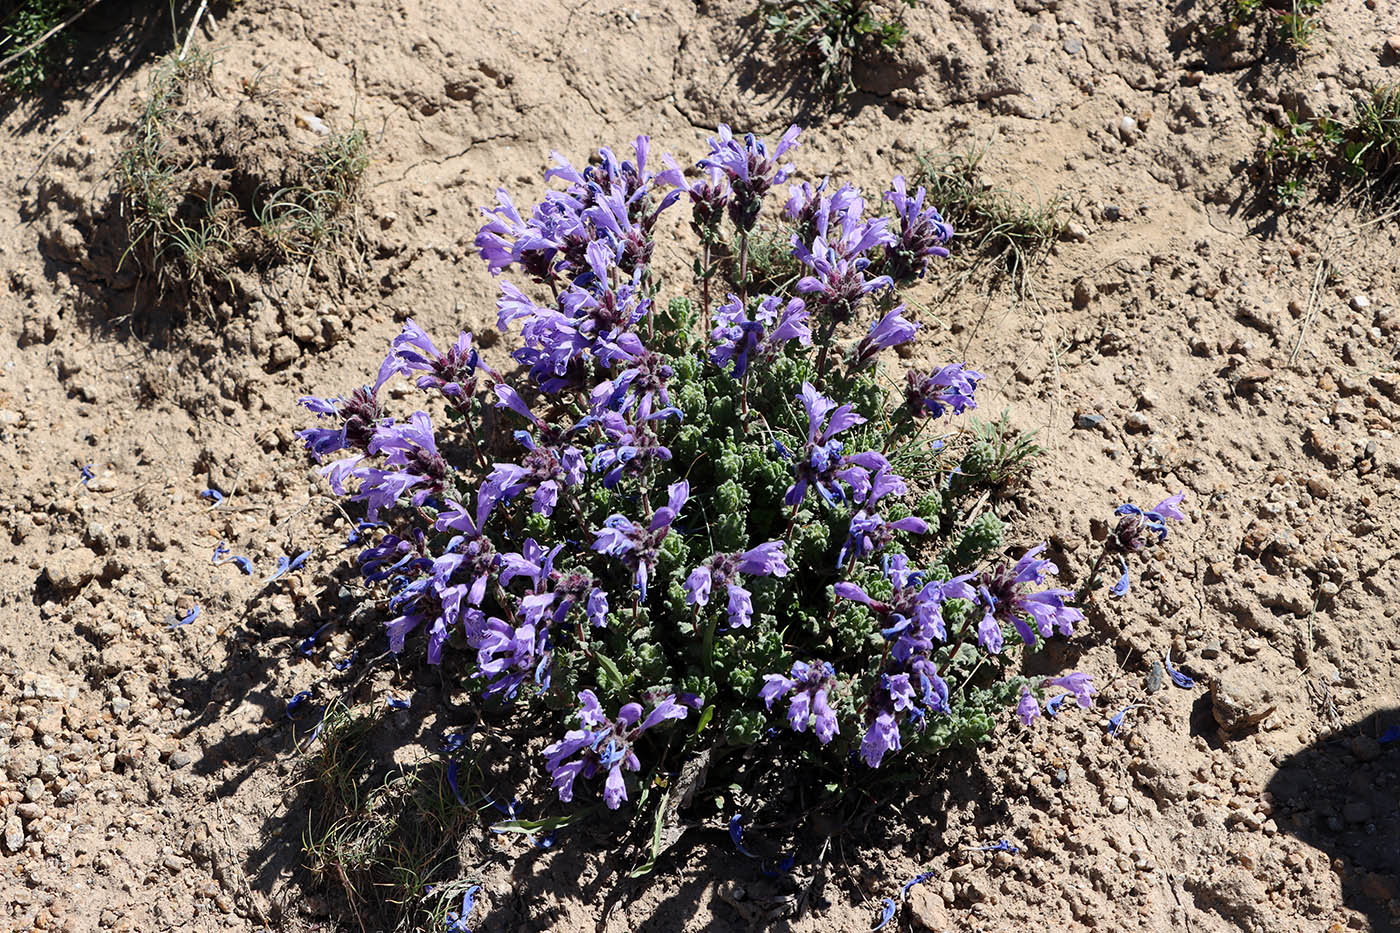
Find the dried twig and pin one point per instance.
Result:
(194, 24)
(1319, 276)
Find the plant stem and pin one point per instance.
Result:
(828, 331)
(465, 409)
(1093, 576)
(705, 289)
(707, 648)
(743, 283)
(792, 522)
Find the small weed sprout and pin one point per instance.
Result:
(661, 540)
(186, 228)
(1293, 21)
(1361, 153)
(999, 456)
(381, 839)
(175, 234)
(833, 35)
(993, 225)
(303, 220)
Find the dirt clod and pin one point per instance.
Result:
(1238, 699)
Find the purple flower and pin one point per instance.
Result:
(543, 245)
(950, 387)
(1002, 845)
(1168, 507)
(909, 687)
(887, 910)
(922, 233)
(453, 373)
(608, 201)
(297, 702)
(891, 330)
(837, 283)
(1178, 678)
(1115, 722)
(1124, 582)
(550, 464)
(1052, 705)
(632, 444)
(1079, 685)
(1007, 598)
(186, 619)
(736, 834)
(284, 564)
(457, 920)
(308, 644)
(644, 380)
(822, 463)
(912, 618)
(551, 596)
(881, 737)
(415, 464)
(869, 533)
(813, 209)
(809, 686)
(709, 196)
(469, 555)
(507, 654)
(738, 339)
(920, 878)
(627, 223)
(640, 547)
(602, 745)
(751, 170)
(358, 418)
(1028, 709)
(597, 608)
(1138, 529)
(722, 570)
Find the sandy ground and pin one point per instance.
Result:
(150, 780)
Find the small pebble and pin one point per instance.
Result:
(1155, 678)
(1087, 420)
(1360, 302)
(1118, 804)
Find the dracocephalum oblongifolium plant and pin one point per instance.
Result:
(698, 517)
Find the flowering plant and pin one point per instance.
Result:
(707, 521)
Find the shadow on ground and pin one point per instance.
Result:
(1342, 796)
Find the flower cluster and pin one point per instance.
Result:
(627, 526)
(1140, 530)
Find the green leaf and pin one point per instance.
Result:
(613, 675)
(646, 867)
(530, 827)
